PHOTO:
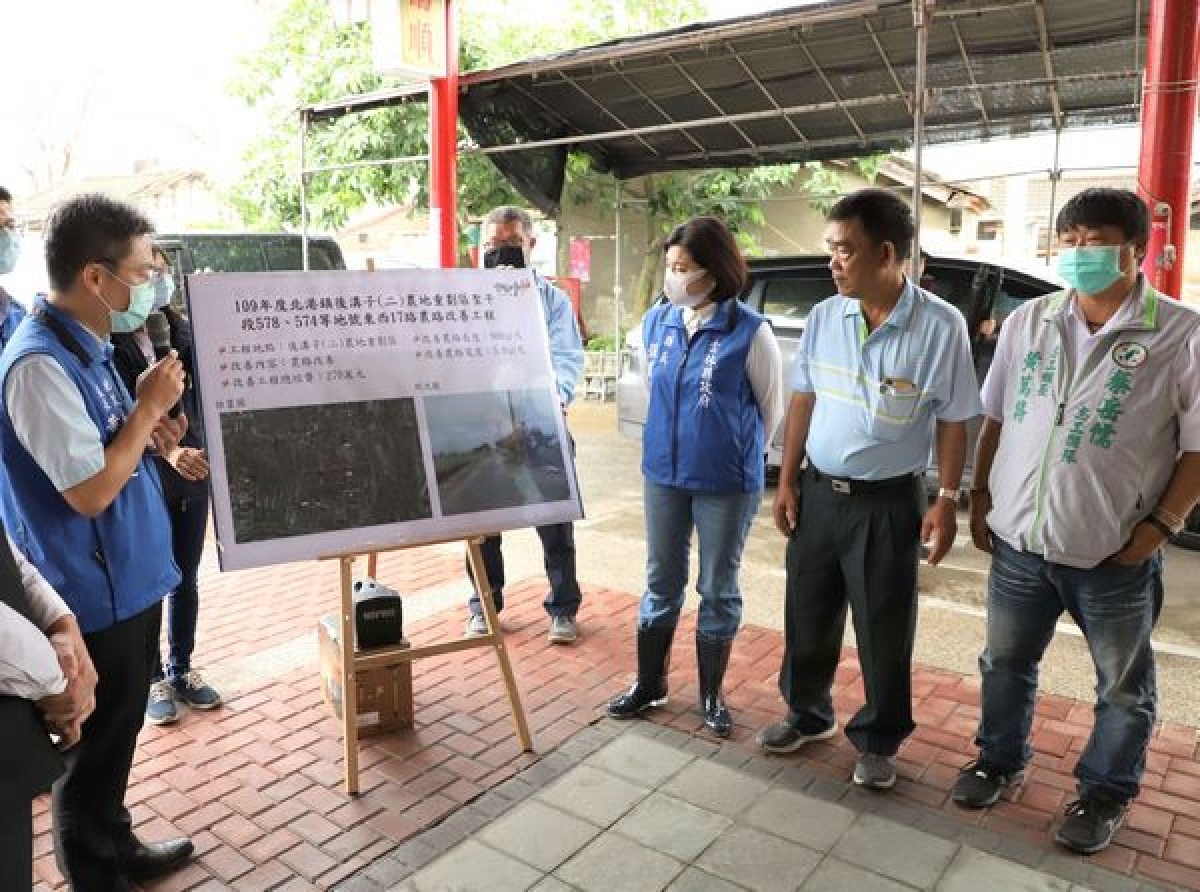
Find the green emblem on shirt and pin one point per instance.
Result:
(1129, 354)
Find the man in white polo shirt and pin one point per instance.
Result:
(882, 373)
(1087, 462)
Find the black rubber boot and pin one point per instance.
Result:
(650, 689)
(712, 658)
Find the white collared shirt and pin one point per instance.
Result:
(29, 667)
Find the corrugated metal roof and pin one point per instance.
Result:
(827, 80)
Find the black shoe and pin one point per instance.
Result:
(650, 689)
(1091, 823)
(980, 784)
(153, 859)
(712, 659)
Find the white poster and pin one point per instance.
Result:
(352, 411)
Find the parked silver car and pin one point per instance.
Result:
(785, 289)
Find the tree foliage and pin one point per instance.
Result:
(308, 59)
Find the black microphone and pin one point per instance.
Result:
(158, 329)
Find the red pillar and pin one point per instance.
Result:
(443, 148)
(1168, 122)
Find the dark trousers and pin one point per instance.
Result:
(187, 506)
(558, 555)
(858, 550)
(92, 827)
(29, 763)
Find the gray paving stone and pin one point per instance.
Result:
(547, 769)
(614, 863)
(644, 761)
(758, 860)
(763, 769)
(551, 884)
(902, 853)
(594, 795)
(971, 871)
(698, 746)
(672, 826)
(715, 787)
(473, 867)
(827, 788)
(359, 883)
(1071, 868)
(1101, 880)
(404, 887)
(837, 876)
(695, 880)
(801, 818)
(538, 834)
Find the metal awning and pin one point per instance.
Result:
(833, 79)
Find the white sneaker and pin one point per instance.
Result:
(476, 626)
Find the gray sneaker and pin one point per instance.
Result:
(160, 704)
(563, 629)
(781, 737)
(476, 626)
(875, 772)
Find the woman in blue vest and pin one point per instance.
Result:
(713, 369)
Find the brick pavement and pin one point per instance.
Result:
(258, 782)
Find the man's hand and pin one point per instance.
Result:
(161, 385)
(65, 713)
(981, 535)
(192, 464)
(786, 508)
(938, 529)
(167, 433)
(1143, 542)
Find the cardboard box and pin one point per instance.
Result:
(385, 700)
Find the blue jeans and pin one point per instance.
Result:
(1115, 607)
(558, 557)
(722, 523)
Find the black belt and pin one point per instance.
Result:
(849, 487)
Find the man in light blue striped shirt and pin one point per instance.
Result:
(883, 371)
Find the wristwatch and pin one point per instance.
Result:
(951, 494)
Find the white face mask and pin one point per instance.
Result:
(676, 284)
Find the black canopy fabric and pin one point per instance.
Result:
(827, 80)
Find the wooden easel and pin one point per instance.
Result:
(390, 656)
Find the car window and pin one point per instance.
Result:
(951, 284)
(794, 297)
(227, 255)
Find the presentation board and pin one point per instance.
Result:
(352, 411)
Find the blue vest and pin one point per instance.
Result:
(704, 430)
(13, 314)
(111, 567)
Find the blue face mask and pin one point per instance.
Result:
(1090, 269)
(164, 287)
(10, 250)
(141, 302)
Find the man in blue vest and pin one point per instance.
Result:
(81, 499)
(11, 312)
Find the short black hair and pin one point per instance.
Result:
(5, 195)
(884, 215)
(712, 246)
(90, 228)
(1103, 206)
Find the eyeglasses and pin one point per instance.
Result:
(153, 273)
